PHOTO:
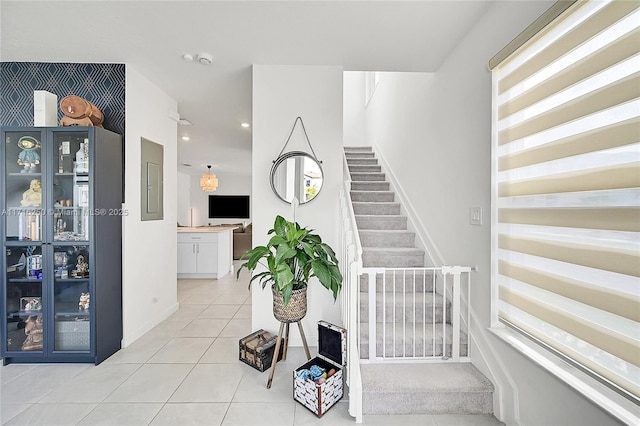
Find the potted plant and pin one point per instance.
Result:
(292, 256)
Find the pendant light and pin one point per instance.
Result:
(209, 181)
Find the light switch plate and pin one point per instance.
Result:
(475, 215)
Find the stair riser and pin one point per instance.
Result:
(353, 154)
(362, 161)
(367, 177)
(358, 149)
(377, 222)
(379, 239)
(429, 350)
(406, 312)
(370, 186)
(365, 168)
(376, 208)
(429, 402)
(372, 196)
(399, 288)
(385, 260)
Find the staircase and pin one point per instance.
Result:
(405, 299)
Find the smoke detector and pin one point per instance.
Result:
(204, 58)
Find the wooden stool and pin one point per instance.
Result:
(286, 345)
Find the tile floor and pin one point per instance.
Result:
(183, 372)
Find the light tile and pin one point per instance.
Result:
(209, 383)
(151, 383)
(12, 371)
(182, 350)
(404, 420)
(8, 411)
(187, 414)
(139, 351)
(243, 312)
(237, 328)
(253, 387)
(237, 298)
(126, 414)
(189, 310)
(466, 420)
(260, 413)
(204, 327)
(224, 350)
(37, 382)
(93, 385)
(338, 415)
(52, 414)
(220, 311)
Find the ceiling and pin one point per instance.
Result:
(152, 36)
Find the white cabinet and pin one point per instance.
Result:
(204, 254)
(187, 258)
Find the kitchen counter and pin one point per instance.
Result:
(205, 251)
(221, 228)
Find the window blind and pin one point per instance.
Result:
(566, 155)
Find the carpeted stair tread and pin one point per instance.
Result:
(365, 186)
(362, 161)
(365, 168)
(378, 207)
(367, 176)
(376, 222)
(424, 343)
(455, 377)
(372, 196)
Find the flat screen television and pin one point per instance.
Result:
(229, 207)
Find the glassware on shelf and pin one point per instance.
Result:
(80, 166)
(64, 157)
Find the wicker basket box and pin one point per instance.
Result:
(257, 349)
(332, 354)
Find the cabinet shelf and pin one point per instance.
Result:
(80, 314)
(24, 313)
(24, 280)
(33, 174)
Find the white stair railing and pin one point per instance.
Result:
(351, 263)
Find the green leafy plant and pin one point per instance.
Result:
(292, 256)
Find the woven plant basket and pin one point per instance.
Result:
(295, 310)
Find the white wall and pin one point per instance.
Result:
(228, 184)
(149, 248)
(435, 132)
(184, 199)
(354, 129)
(280, 94)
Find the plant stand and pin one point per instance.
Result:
(286, 345)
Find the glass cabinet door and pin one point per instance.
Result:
(70, 186)
(24, 298)
(23, 179)
(71, 298)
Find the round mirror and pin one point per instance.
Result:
(296, 174)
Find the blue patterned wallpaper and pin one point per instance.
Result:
(101, 84)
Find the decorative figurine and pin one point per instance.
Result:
(29, 156)
(32, 197)
(82, 268)
(85, 298)
(33, 330)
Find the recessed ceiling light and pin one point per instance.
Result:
(185, 138)
(245, 125)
